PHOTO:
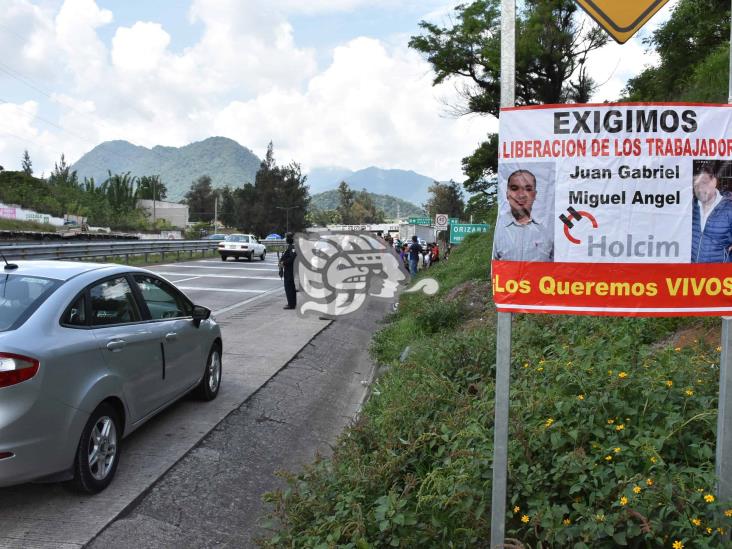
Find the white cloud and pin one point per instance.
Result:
(371, 106)
(140, 48)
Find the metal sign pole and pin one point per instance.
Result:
(503, 325)
(724, 416)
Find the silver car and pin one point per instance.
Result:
(88, 353)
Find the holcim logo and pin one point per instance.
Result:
(577, 216)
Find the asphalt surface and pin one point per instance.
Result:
(247, 300)
(212, 497)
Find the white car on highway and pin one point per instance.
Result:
(241, 245)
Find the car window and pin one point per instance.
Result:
(237, 238)
(76, 314)
(20, 296)
(112, 302)
(162, 300)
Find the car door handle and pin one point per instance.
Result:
(172, 336)
(116, 345)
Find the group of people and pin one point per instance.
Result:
(415, 256)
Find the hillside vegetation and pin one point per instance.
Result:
(224, 160)
(612, 432)
(390, 205)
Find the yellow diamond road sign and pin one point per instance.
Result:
(621, 18)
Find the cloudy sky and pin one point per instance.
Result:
(330, 82)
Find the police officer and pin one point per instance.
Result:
(287, 271)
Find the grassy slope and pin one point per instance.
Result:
(612, 432)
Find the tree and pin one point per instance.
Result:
(200, 199)
(150, 187)
(293, 198)
(27, 165)
(364, 210)
(121, 193)
(552, 47)
(693, 46)
(446, 198)
(345, 205)
(62, 176)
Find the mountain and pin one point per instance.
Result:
(227, 162)
(407, 185)
(391, 205)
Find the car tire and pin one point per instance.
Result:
(101, 436)
(223, 258)
(211, 381)
(264, 253)
(249, 256)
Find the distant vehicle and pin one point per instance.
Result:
(241, 245)
(273, 236)
(217, 236)
(90, 352)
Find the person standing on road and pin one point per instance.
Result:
(287, 271)
(415, 252)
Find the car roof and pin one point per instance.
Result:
(62, 270)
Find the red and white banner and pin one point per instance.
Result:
(615, 209)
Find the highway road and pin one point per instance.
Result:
(259, 339)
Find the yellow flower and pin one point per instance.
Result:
(669, 383)
(569, 363)
(653, 459)
(608, 458)
(721, 531)
(516, 509)
(689, 392)
(542, 361)
(636, 489)
(719, 349)
(526, 364)
(678, 545)
(566, 522)
(600, 517)
(622, 375)
(548, 423)
(609, 372)
(620, 427)
(649, 481)
(696, 522)
(677, 349)
(610, 421)
(580, 397)
(623, 501)
(709, 530)
(709, 498)
(728, 513)
(525, 518)
(616, 450)
(540, 369)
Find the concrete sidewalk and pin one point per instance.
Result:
(259, 339)
(212, 497)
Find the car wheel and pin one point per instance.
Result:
(264, 253)
(211, 382)
(223, 258)
(249, 256)
(97, 455)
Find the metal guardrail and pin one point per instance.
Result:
(89, 250)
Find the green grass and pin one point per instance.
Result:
(18, 225)
(612, 432)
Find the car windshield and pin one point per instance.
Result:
(237, 238)
(21, 295)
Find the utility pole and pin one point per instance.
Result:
(287, 215)
(154, 201)
(216, 212)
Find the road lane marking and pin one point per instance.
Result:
(219, 267)
(185, 279)
(234, 290)
(241, 303)
(244, 277)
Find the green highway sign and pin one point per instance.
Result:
(458, 231)
(420, 221)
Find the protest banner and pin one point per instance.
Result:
(614, 209)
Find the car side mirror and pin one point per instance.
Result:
(200, 313)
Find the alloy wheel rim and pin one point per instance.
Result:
(102, 448)
(214, 371)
